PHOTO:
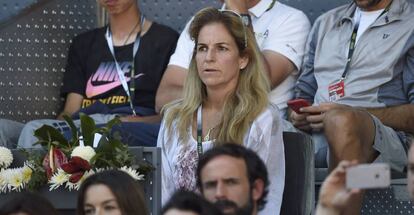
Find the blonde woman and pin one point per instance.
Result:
(225, 100)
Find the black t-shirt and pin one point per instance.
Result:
(91, 70)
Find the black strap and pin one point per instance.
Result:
(129, 89)
(352, 44)
(199, 132)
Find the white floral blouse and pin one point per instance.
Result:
(179, 159)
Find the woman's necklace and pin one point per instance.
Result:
(207, 137)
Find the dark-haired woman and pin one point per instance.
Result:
(111, 192)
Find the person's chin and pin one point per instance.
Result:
(229, 211)
(113, 10)
(366, 4)
(361, 3)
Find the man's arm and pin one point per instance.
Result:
(73, 103)
(278, 67)
(306, 85)
(171, 86)
(172, 81)
(399, 117)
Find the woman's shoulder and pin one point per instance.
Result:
(270, 113)
(265, 129)
(171, 106)
(169, 122)
(270, 118)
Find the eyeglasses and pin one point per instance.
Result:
(234, 13)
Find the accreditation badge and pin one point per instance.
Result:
(336, 90)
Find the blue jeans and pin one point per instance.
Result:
(9, 133)
(132, 133)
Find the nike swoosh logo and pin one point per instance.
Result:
(92, 90)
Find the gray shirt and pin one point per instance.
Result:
(381, 73)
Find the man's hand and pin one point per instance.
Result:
(299, 120)
(73, 103)
(317, 113)
(311, 118)
(334, 196)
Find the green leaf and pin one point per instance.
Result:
(108, 126)
(117, 135)
(110, 153)
(72, 126)
(48, 135)
(111, 123)
(87, 129)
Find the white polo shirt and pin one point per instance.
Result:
(281, 29)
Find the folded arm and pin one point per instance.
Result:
(399, 117)
(147, 119)
(171, 86)
(73, 104)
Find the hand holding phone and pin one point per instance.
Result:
(368, 176)
(296, 104)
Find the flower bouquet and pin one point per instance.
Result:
(67, 163)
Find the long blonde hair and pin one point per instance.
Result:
(241, 107)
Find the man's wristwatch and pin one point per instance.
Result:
(246, 19)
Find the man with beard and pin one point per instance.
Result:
(358, 72)
(234, 178)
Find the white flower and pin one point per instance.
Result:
(14, 179)
(26, 173)
(59, 178)
(84, 152)
(71, 186)
(6, 157)
(5, 178)
(3, 183)
(98, 170)
(133, 173)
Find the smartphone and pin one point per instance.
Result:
(296, 104)
(368, 176)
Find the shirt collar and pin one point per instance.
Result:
(259, 9)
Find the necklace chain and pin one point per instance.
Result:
(207, 137)
(132, 31)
